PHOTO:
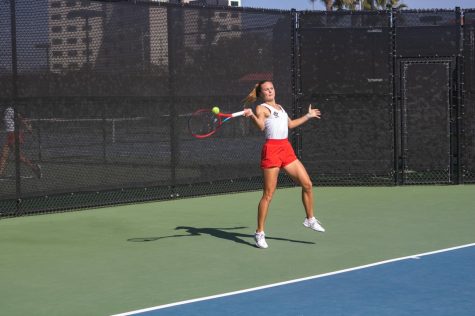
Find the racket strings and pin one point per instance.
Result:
(203, 123)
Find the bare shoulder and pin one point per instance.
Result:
(262, 110)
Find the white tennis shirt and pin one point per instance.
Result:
(277, 124)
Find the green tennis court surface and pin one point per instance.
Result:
(112, 260)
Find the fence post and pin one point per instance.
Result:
(394, 101)
(459, 98)
(295, 79)
(174, 20)
(15, 104)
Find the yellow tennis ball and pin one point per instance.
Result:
(215, 110)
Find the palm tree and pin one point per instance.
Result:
(328, 4)
(344, 4)
(365, 4)
(382, 4)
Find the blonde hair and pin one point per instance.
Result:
(255, 93)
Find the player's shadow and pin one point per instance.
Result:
(222, 233)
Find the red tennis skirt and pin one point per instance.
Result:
(277, 153)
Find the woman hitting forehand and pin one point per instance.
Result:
(277, 153)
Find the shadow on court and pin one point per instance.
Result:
(222, 233)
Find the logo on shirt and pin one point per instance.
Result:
(276, 114)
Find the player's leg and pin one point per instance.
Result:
(34, 167)
(4, 158)
(298, 173)
(270, 183)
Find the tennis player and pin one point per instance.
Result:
(277, 153)
(9, 122)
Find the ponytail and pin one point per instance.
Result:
(252, 96)
(255, 93)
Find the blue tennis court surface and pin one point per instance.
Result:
(437, 283)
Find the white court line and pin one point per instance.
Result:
(417, 256)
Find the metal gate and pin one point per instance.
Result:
(425, 106)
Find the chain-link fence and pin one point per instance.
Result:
(427, 46)
(107, 89)
(346, 71)
(467, 113)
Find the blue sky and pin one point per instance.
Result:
(306, 4)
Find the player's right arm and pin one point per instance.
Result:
(259, 118)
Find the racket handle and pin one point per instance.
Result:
(240, 113)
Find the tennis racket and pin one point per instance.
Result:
(204, 123)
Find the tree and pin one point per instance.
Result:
(382, 4)
(365, 4)
(344, 4)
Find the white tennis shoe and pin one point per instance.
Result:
(260, 239)
(314, 224)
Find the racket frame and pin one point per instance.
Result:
(222, 118)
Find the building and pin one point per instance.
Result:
(199, 29)
(106, 36)
(75, 33)
(231, 3)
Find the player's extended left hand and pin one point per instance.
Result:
(313, 112)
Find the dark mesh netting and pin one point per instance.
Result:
(425, 120)
(468, 138)
(108, 89)
(5, 51)
(426, 33)
(426, 88)
(217, 64)
(353, 142)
